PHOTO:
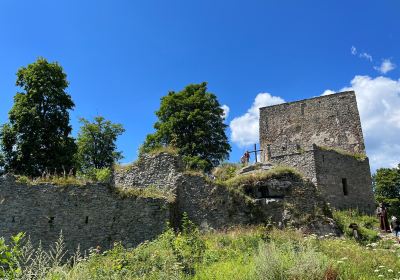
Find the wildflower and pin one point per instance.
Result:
(340, 262)
(381, 266)
(380, 276)
(390, 270)
(377, 270)
(344, 258)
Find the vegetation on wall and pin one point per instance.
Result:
(191, 121)
(357, 156)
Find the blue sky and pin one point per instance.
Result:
(121, 57)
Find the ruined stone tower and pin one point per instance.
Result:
(322, 138)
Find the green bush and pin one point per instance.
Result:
(102, 175)
(366, 224)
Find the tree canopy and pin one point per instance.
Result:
(387, 187)
(192, 121)
(37, 137)
(387, 182)
(97, 144)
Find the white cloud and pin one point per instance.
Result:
(385, 67)
(327, 92)
(226, 111)
(244, 129)
(353, 50)
(379, 102)
(367, 56)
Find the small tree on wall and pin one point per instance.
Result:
(37, 137)
(192, 121)
(97, 144)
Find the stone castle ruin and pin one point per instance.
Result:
(156, 190)
(322, 138)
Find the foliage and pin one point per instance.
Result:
(9, 254)
(192, 121)
(188, 245)
(290, 260)
(102, 175)
(386, 183)
(148, 192)
(225, 171)
(95, 175)
(245, 253)
(37, 137)
(366, 224)
(96, 144)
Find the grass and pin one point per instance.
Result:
(251, 179)
(357, 156)
(53, 180)
(165, 149)
(148, 192)
(244, 253)
(226, 171)
(367, 225)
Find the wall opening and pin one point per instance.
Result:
(323, 158)
(344, 186)
(51, 220)
(87, 219)
(13, 220)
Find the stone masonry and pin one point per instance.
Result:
(89, 216)
(100, 214)
(321, 137)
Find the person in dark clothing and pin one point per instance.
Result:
(382, 213)
(395, 227)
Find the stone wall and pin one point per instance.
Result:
(91, 215)
(334, 170)
(158, 170)
(303, 162)
(331, 121)
(211, 205)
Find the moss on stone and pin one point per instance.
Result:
(357, 156)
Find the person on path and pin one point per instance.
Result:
(395, 227)
(382, 213)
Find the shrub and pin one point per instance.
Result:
(290, 261)
(225, 171)
(365, 224)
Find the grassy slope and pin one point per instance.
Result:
(243, 253)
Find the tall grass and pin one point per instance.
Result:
(244, 253)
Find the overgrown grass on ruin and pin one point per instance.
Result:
(102, 175)
(148, 192)
(250, 179)
(357, 156)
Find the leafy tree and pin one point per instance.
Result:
(96, 144)
(387, 187)
(37, 137)
(192, 121)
